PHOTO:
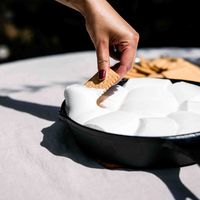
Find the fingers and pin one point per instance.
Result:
(126, 61)
(126, 51)
(127, 58)
(103, 61)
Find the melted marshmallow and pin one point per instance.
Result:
(81, 103)
(147, 82)
(114, 98)
(188, 121)
(184, 91)
(157, 126)
(118, 122)
(143, 107)
(150, 102)
(192, 105)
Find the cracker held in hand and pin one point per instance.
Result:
(111, 79)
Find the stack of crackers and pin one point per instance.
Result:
(165, 67)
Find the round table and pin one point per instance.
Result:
(38, 162)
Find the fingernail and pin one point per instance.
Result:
(129, 67)
(102, 74)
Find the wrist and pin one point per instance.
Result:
(78, 5)
(89, 8)
(85, 7)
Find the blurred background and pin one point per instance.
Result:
(30, 28)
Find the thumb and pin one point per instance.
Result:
(126, 60)
(103, 61)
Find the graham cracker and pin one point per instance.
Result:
(165, 67)
(144, 63)
(155, 68)
(133, 73)
(156, 75)
(189, 72)
(111, 79)
(143, 70)
(160, 63)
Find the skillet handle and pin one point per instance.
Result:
(188, 145)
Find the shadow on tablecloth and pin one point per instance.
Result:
(60, 144)
(59, 141)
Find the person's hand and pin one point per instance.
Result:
(112, 36)
(110, 33)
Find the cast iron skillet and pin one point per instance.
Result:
(137, 151)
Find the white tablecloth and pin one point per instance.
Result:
(37, 163)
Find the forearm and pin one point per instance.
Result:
(78, 5)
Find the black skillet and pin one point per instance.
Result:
(137, 151)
